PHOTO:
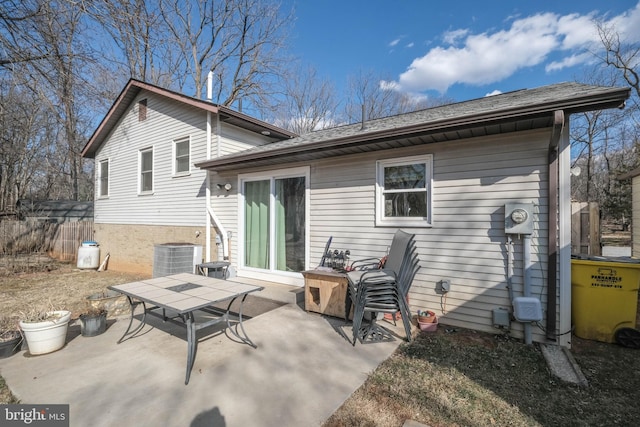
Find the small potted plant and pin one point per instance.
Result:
(45, 329)
(93, 322)
(10, 336)
(427, 320)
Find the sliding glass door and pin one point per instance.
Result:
(275, 223)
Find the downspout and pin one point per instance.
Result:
(526, 281)
(211, 215)
(552, 251)
(564, 237)
(208, 181)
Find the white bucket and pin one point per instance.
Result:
(88, 257)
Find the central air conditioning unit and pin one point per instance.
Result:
(174, 258)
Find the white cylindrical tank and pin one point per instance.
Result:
(89, 255)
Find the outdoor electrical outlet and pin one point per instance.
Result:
(445, 286)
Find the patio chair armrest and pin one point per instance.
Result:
(366, 264)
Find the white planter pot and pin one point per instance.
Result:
(45, 337)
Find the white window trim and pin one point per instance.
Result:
(153, 168)
(292, 278)
(381, 221)
(100, 195)
(174, 172)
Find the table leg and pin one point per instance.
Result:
(192, 344)
(133, 304)
(244, 338)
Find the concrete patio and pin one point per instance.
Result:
(302, 371)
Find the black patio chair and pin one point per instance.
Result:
(373, 290)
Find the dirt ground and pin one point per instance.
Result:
(50, 284)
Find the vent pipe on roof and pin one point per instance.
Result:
(210, 86)
(363, 119)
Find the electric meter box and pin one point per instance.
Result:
(518, 218)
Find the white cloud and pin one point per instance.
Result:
(628, 24)
(492, 56)
(577, 31)
(452, 37)
(569, 61)
(386, 85)
(411, 44)
(394, 42)
(494, 92)
(484, 58)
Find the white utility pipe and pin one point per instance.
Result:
(526, 287)
(210, 213)
(222, 230)
(510, 267)
(208, 193)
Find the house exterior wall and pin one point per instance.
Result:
(472, 181)
(234, 139)
(131, 246)
(635, 217)
(178, 201)
(129, 224)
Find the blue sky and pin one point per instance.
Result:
(462, 49)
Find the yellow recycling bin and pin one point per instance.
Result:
(604, 297)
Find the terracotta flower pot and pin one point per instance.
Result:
(429, 317)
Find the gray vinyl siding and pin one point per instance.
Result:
(175, 200)
(235, 139)
(472, 180)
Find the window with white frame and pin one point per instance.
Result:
(404, 191)
(146, 170)
(103, 178)
(181, 156)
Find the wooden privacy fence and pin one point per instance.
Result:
(585, 228)
(59, 241)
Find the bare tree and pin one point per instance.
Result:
(603, 147)
(381, 98)
(608, 140)
(138, 39)
(17, 43)
(309, 102)
(239, 40)
(620, 55)
(25, 128)
(58, 80)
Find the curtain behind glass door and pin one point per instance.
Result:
(256, 228)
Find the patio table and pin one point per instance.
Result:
(182, 295)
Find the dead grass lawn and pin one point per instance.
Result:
(59, 285)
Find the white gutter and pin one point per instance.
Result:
(210, 213)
